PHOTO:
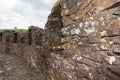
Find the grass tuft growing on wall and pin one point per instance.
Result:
(34, 68)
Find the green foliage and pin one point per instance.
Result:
(21, 30)
(12, 30)
(1, 30)
(36, 70)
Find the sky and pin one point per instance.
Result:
(24, 13)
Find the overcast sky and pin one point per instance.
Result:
(24, 13)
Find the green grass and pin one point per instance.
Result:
(13, 30)
(34, 68)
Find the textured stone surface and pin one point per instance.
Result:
(28, 45)
(90, 40)
(81, 41)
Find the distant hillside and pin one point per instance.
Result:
(12, 30)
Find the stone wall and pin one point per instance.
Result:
(81, 41)
(27, 45)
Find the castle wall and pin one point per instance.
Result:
(81, 41)
(27, 45)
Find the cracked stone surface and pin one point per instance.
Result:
(90, 40)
